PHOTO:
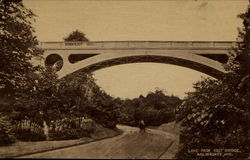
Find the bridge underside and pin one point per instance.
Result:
(153, 59)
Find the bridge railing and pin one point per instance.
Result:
(137, 44)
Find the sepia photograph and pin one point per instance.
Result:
(125, 79)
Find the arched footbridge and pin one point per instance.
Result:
(204, 56)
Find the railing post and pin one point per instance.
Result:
(212, 44)
(146, 44)
(190, 44)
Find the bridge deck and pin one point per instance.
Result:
(139, 44)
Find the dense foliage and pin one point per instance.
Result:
(80, 96)
(213, 117)
(7, 134)
(155, 109)
(216, 114)
(18, 47)
(32, 92)
(71, 129)
(69, 133)
(27, 135)
(76, 36)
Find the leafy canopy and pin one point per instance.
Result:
(18, 46)
(216, 114)
(76, 36)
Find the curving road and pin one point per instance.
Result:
(130, 145)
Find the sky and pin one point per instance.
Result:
(154, 20)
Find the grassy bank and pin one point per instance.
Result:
(21, 148)
(173, 128)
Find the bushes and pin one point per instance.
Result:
(154, 117)
(28, 135)
(23, 130)
(66, 129)
(69, 133)
(107, 119)
(155, 109)
(63, 129)
(26, 130)
(7, 135)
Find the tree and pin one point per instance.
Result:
(44, 96)
(18, 46)
(73, 93)
(241, 57)
(76, 36)
(79, 96)
(6, 131)
(103, 109)
(213, 117)
(216, 114)
(155, 109)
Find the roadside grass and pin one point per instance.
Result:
(173, 128)
(21, 148)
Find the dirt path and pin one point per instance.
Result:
(131, 144)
